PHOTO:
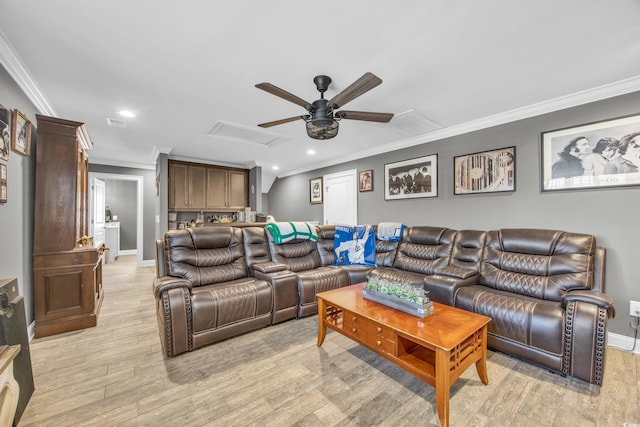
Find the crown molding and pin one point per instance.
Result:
(12, 63)
(121, 164)
(610, 90)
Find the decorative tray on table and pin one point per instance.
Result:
(411, 299)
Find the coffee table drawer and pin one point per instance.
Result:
(375, 331)
(354, 325)
(381, 338)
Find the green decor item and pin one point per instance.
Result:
(401, 296)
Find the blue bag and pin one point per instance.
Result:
(355, 245)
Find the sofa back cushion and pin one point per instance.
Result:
(538, 263)
(326, 234)
(205, 255)
(467, 249)
(297, 255)
(424, 249)
(256, 246)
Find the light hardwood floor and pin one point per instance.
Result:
(115, 374)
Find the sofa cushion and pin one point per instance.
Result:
(543, 264)
(424, 249)
(206, 255)
(528, 321)
(296, 255)
(215, 306)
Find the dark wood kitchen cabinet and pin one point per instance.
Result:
(67, 268)
(197, 187)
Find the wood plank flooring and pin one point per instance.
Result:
(115, 375)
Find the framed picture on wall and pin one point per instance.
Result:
(365, 180)
(5, 127)
(594, 155)
(315, 190)
(410, 179)
(3, 183)
(21, 141)
(485, 172)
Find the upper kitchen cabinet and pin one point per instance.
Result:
(187, 186)
(198, 187)
(227, 188)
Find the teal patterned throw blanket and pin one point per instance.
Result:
(283, 232)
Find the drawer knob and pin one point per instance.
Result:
(379, 329)
(354, 318)
(379, 343)
(354, 330)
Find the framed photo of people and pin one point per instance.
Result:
(593, 155)
(21, 141)
(485, 172)
(315, 190)
(365, 180)
(410, 179)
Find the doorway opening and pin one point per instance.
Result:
(139, 202)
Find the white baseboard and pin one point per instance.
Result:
(623, 342)
(128, 252)
(147, 263)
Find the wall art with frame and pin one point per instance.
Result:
(593, 155)
(3, 183)
(315, 190)
(21, 141)
(485, 172)
(365, 180)
(5, 127)
(410, 179)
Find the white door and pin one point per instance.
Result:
(341, 197)
(96, 224)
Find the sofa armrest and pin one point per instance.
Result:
(591, 297)
(269, 267)
(285, 292)
(174, 314)
(165, 283)
(442, 288)
(456, 272)
(586, 314)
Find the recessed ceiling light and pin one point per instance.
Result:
(127, 113)
(310, 152)
(275, 168)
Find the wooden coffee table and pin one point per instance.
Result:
(436, 349)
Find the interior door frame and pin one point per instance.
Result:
(140, 195)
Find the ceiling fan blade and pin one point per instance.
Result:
(280, 122)
(275, 90)
(364, 115)
(364, 84)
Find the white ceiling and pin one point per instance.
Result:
(185, 67)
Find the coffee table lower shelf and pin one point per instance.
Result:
(437, 349)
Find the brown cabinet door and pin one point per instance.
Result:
(216, 188)
(197, 187)
(178, 186)
(238, 193)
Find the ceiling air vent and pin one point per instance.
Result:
(249, 135)
(411, 123)
(116, 123)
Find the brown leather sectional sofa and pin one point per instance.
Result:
(543, 289)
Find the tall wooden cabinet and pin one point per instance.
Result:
(67, 272)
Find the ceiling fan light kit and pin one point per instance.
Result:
(322, 120)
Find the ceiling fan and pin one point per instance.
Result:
(322, 120)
